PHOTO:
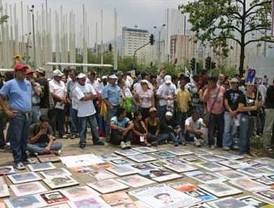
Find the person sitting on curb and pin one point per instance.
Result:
(195, 129)
(41, 139)
(121, 129)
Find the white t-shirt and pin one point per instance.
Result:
(85, 108)
(198, 125)
(145, 98)
(166, 91)
(59, 89)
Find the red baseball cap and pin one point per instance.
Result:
(20, 67)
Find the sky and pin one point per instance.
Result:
(145, 14)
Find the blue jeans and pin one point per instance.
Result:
(39, 147)
(245, 133)
(35, 113)
(74, 126)
(110, 113)
(169, 136)
(216, 123)
(161, 111)
(229, 130)
(19, 132)
(181, 118)
(93, 126)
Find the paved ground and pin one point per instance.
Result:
(71, 147)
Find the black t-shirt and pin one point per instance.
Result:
(44, 103)
(232, 97)
(269, 101)
(34, 129)
(248, 102)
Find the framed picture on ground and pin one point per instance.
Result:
(107, 186)
(30, 201)
(6, 170)
(41, 166)
(88, 202)
(55, 172)
(255, 202)
(135, 181)
(28, 188)
(48, 158)
(54, 197)
(24, 177)
(220, 189)
(79, 191)
(229, 202)
(60, 182)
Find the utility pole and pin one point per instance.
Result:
(33, 36)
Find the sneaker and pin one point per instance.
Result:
(99, 143)
(128, 145)
(58, 152)
(123, 145)
(212, 147)
(226, 148)
(197, 142)
(31, 161)
(176, 144)
(20, 166)
(155, 144)
(82, 145)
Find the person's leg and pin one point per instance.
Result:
(161, 111)
(15, 130)
(36, 148)
(211, 131)
(56, 146)
(2, 137)
(61, 122)
(83, 129)
(269, 121)
(220, 128)
(227, 140)
(244, 124)
(162, 138)
(110, 113)
(94, 132)
(73, 121)
(24, 137)
(35, 113)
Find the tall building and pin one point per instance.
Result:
(132, 39)
(182, 48)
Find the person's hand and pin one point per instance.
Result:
(43, 131)
(10, 114)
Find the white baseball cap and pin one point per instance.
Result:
(81, 75)
(168, 113)
(113, 76)
(57, 73)
(168, 79)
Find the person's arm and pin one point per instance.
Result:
(128, 128)
(36, 88)
(34, 138)
(227, 107)
(158, 127)
(116, 127)
(5, 108)
(50, 143)
(243, 108)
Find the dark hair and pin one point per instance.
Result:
(120, 111)
(136, 114)
(44, 118)
(214, 79)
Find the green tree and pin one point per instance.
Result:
(216, 21)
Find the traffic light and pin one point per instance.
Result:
(213, 65)
(151, 39)
(193, 64)
(110, 47)
(208, 63)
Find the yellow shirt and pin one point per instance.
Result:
(183, 98)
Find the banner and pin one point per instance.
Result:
(251, 76)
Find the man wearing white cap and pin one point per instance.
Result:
(165, 93)
(58, 92)
(85, 93)
(112, 96)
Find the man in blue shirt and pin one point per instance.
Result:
(111, 94)
(18, 92)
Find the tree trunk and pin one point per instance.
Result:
(242, 60)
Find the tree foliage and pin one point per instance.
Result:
(216, 21)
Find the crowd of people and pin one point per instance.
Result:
(145, 110)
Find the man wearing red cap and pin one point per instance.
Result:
(18, 90)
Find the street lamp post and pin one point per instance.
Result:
(33, 36)
(159, 41)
